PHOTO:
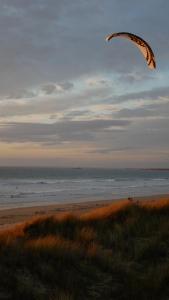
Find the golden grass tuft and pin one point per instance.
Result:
(158, 204)
(105, 212)
(93, 250)
(10, 235)
(86, 234)
(47, 242)
(52, 242)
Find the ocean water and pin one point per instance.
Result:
(36, 186)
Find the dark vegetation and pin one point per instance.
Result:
(121, 253)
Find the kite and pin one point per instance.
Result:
(140, 43)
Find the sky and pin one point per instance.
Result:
(68, 98)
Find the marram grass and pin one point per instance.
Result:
(119, 252)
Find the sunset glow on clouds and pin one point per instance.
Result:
(67, 98)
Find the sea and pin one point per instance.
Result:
(33, 186)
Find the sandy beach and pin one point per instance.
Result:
(12, 216)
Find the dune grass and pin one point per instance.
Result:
(119, 252)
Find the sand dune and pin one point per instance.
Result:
(12, 216)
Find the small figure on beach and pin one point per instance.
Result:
(133, 201)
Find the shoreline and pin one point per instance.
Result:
(13, 216)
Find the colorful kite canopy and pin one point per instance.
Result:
(140, 43)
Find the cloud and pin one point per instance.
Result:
(52, 88)
(140, 112)
(160, 109)
(152, 94)
(52, 69)
(59, 132)
(52, 99)
(97, 82)
(49, 88)
(75, 113)
(135, 77)
(22, 94)
(41, 42)
(111, 150)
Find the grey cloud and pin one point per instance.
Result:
(135, 77)
(145, 111)
(48, 104)
(136, 113)
(49, 88)
(154, 93)
(66, 85)
(21, 94)
(76, 113)
(148, 134)
(143, 138)
(52, 88)
(95, 82)
(58, 132)
(71, 115)
(161, 107)
(111, 150)
(40, 40)
(71, 104)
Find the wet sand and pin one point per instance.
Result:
(12, 216)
